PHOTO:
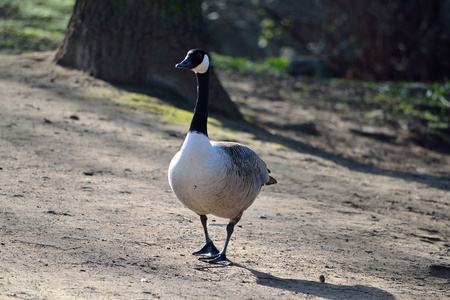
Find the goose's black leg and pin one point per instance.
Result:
(221, 258)
(208, 250)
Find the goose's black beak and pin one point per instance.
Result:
(185, 64)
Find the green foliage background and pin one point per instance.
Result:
(32, 25)
(38, 25)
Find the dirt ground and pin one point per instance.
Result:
(86, 211)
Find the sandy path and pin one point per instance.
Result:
(86, 211)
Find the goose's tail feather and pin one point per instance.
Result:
(271, 181)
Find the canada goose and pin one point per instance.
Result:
(219, 178)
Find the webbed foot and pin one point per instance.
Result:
(208, 251)
(219, 259)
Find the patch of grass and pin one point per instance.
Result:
(168, 113)
(172, 114)
(396, 102)
(144, 102)
(421, 103)
(271, 65)
(341, 106)
(277, 65)
(235, 63)
(33, 25)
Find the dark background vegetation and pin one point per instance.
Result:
(371, 40)
(391, 57)
(406, 40)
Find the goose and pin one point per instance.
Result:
(218, 178)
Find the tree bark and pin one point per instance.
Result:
(140, 42)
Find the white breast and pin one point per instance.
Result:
(199, 175)
(190, 170)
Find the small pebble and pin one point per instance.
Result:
(322, 278)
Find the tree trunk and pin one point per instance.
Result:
(140, 42)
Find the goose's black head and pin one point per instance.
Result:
(196, 60)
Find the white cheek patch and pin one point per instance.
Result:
(203, 67)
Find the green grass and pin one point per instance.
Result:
(271, 65)
(144, 102)
(400, 102)
(32, 25)
(170, 114)
(166, 112)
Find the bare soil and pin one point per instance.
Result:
(86, 211)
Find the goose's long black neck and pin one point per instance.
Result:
(200, 118)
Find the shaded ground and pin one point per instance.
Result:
(86, 211)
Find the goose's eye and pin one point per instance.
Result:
(200, 56)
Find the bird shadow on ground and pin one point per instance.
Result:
(319, 289)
